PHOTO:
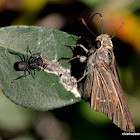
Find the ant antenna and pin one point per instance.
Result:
(118, 30)
(101, 21)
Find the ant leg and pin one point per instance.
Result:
(31, 52)
(38, 68)
(80, 45)
(28, 51)
(30, 72)
(24, 58)
(34, 74)
(24, 72)
(37, 54)
(19, 55)
(27, 59)
(31, 59)
(20, 77)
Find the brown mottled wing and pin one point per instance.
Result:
(115, 70)
(107, 96)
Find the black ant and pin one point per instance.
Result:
(28, 64)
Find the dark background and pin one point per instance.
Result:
(78, 121)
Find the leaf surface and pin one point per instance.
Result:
(44, 92)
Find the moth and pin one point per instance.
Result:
(102, 86)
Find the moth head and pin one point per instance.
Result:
(103, 40)
(97, 44)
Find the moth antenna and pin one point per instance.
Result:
(83, 21)
(101, 20)
(118, 30)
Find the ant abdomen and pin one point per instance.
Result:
(21, 66)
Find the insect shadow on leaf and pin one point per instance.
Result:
(27, 64)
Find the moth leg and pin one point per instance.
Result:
(80, 45)
(82, 58)
(81, 78)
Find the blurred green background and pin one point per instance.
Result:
(78, 121)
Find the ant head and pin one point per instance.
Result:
(40, 61)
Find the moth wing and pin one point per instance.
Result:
(86, 88)
(115, 70)
(107, 96)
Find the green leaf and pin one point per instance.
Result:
(12, 117)
(24, 137)
(44, 92)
